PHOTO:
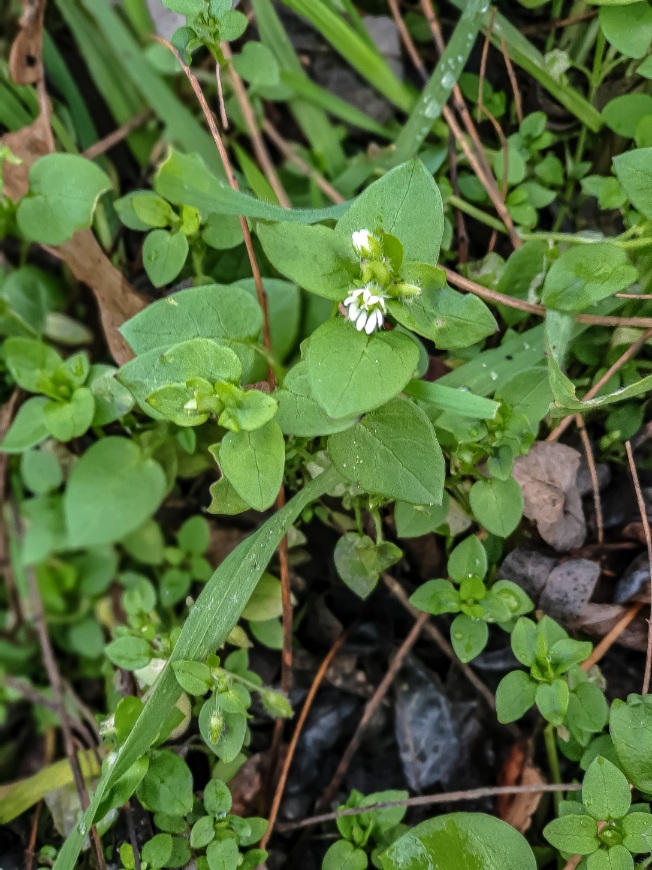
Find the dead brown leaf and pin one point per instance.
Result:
(517, 810)
(25, 63)
(548, 477)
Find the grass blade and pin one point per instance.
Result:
(209, 622)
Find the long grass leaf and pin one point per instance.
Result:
(209, 622)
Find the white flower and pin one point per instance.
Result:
(366, 308)
(361, 240)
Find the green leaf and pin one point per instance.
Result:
(314, 257)
(605, 791)
(459, 401)
(112, 490)
(167, 785)
(253, 463)
(351, 372)
(257, 65)
(344, 856)
(266, 600)
(360, 561)
(203, 831)
(575, 834)
(637, 833)
(399, 203)
(460, 840)
(497, 505)
(588, 711)
(634, 171)
(392, 452)
(628, 28)
(67, 420)
(244, 409)
(468, 637)
(552, 700)
(112, 399)
(194, 536)
(157, 851)
(565, 653)
(623, 114)
(612, 858)
(184, 179)
(299, 413)
(55, 208)
(413, 521)
(207, 625)
(223, 854)
(164, 255)
(193, 677)
(580, 278)
(143, 209)
(223, 732)
(630, 726)
(28, 428)
(514, 696)
(131, 653)
(225, 500)
(31, 363)
(448, 318)
(436, 597)
(41, 471)
(528, 393)
(468, 559)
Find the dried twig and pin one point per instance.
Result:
(648, 542)
(631, 352)
(301, 721)
(595, 484)
(290, 154)
(601, 649)
(113, 139)
(372, 706)
(430, 799)
(518, 102)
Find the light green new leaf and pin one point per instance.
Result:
(164, 255)
(514, 696)
(64, 190)
(497, 505)
(253, 463)
(210, 620)
(460, 840)
(403, 202)
(343, 855)
(468, 637)
(392, 452)
(316, 258)
(28, 428)
(351, 372)
(67, 420)
(112, 490)
(634, 171)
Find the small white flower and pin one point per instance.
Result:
(366, 308)
(361, 240)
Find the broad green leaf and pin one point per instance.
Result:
(459, 841)
(351, 372)
(447, 317)
(132, 653)
(392, 452)
(514, 696)
(41, 471)
(612, 858)
(167, 785)
(497, 505)
(360, 561)
(112, 490)
(468, 637)
(244, 409)
(581, 277)
(344, 856)
(566, 401)
(30, 362)
(528, 393)
(223, 854)
(211, 311)
(63, 192)
(314, 257)
(157, 851)
(253, 463)
(630, 726)
(215, 612)
(468, 559)
(413, 521)
(624, 113)
(401, 202)
(552, 700)
(143, 209)
(436, 597)
(637, 832)
(299, 413)
(265, 602)
(164, 255)
(634, 171)
(575, 834)
(193, 677)
(28, 428)
(284, 304)
(225, 500)
(628, 28)
(605, 791)
(67, 420)
(184, 179)
(256, 64)
(112, 399)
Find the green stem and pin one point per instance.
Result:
(477, 213)
(550, 738)
(571, 239)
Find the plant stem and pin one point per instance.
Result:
(477, 213)
(549, 736)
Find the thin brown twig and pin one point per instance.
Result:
(648, 542)
(535, 308)
(433, 632)
(113, 139)
(430, 799)
(233, 183)
(601, 649)
(631, 352)
(30, 851)
(595, 483)
(301, 721)
(518, 101)
(224, 118)
(290, 154)
(370, 710)
(483, 63)
(558, 22)
(257, 141)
